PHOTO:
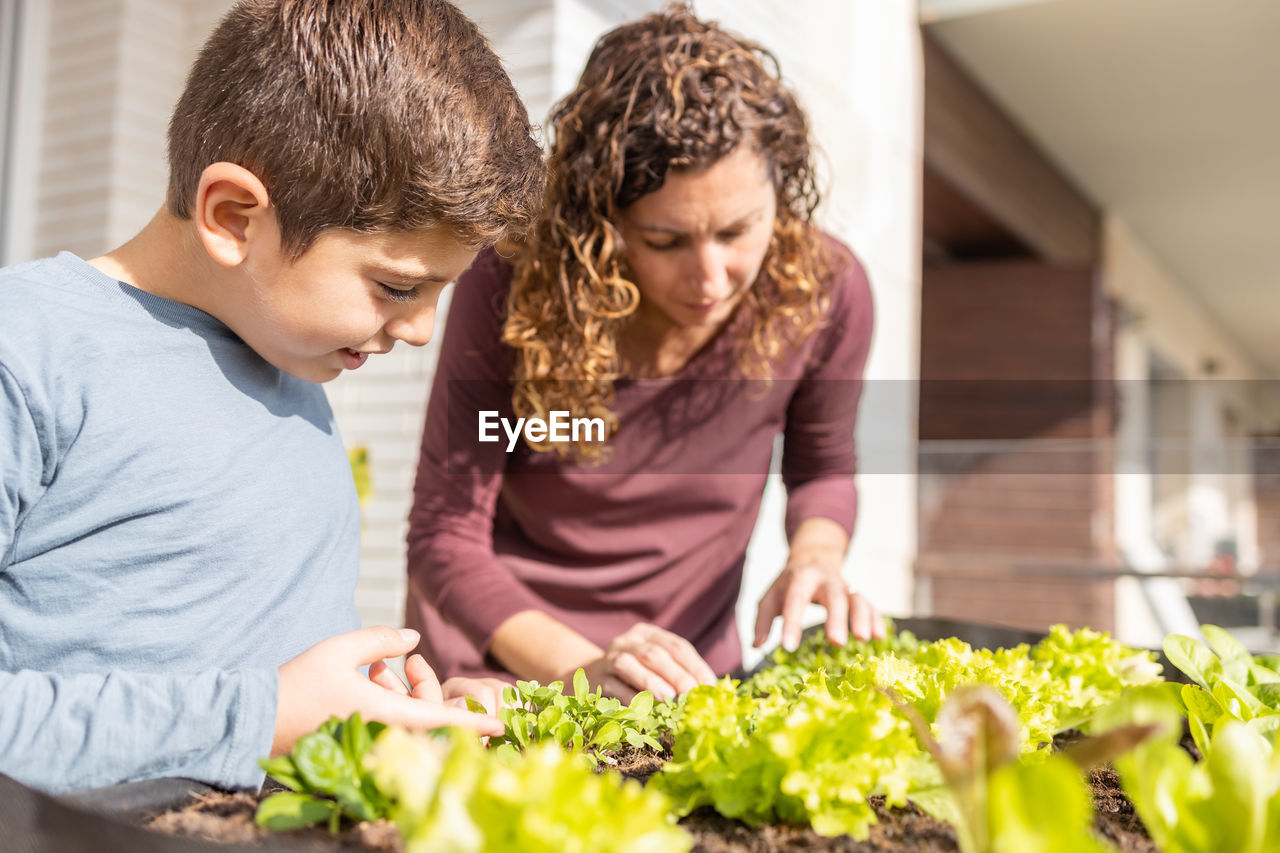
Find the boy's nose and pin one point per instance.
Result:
(414, 328)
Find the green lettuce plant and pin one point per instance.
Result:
(810, 759)
(1230, 684)
(358, 457)
(582, 720)
(454, 796)
(1055, 685)
(928, 677)
(1229, 802)
(809, 747)
(999, 800)
(446, 793)
(326, 779)
(1088, 670)
(787, 671)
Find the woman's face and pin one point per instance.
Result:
(696, 245)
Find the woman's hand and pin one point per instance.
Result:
(813, 575)
(800, 585)
(325, 681)
(646, 657)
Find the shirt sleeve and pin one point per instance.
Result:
(819, 454)
(67, 732)
(450, 543)
(22, 461)
(62, 732)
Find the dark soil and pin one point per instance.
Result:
(228, 818)
(899, 830)
(905, 829)
(1114, 817)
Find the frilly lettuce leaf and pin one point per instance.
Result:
(454, 796)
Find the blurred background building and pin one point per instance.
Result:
(1069, 211)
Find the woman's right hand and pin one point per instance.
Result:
(646, 657)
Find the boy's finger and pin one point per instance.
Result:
(486, 691)
(369, 645)
(382, 675)
(430, 715)
(422, 680)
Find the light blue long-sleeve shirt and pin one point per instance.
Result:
(177, 519)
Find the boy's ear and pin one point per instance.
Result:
(233, 210)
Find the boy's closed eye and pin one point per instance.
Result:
(399, 294)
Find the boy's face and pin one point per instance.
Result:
(348, 297)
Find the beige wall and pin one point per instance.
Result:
(1172, 521)
(1181, 329)
(856, 68)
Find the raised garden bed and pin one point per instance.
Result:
(179, 816)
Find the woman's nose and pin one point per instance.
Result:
(711, 273)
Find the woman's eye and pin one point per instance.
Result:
(730, 236)
(399, 294)
(663, 247)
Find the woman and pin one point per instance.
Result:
(676, 292)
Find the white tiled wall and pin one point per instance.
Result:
(114, 70)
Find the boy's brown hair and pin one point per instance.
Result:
(368, 115)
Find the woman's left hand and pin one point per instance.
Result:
(812, 575)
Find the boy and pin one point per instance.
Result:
(178, 524)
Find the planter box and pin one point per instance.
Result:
(107, 820)
(100, 820)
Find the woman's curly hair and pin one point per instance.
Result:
(666, 93)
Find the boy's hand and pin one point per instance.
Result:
(486, 691)
(325, 681)
(423, 684)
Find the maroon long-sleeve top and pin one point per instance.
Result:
(657, 534)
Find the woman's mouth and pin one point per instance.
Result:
(704, 307)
